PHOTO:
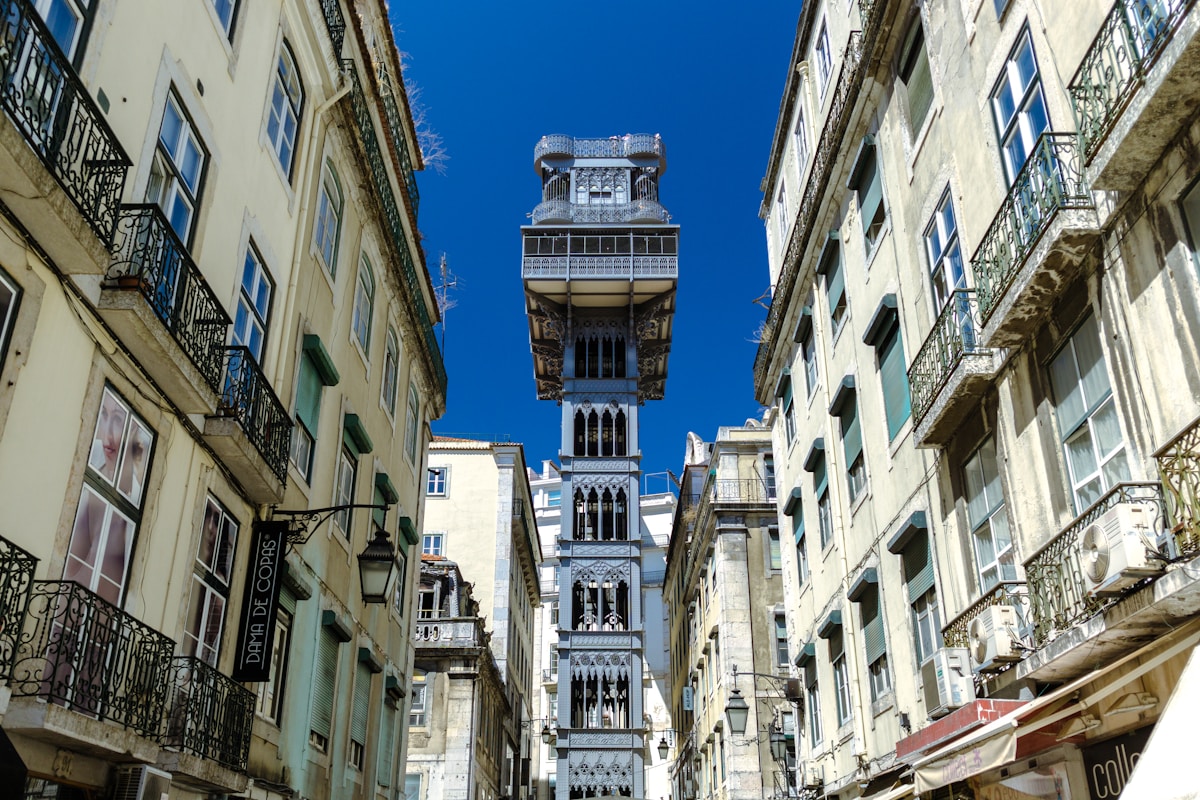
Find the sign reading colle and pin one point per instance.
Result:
(260, 602)
(1110, 763)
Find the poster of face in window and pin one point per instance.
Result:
(120, 450)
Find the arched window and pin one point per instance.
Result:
(620, 510)
(328, 223)
(364, 303)
(619, 434)
(287, 101)
(580, 434)
(391, 372)
(593, 434)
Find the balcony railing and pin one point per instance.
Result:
(1179, 468)
(335, 24)
(1051, 181)
(16, 581)
(955, 334)
(566, 211)
(391, 112)
(149, 257)
(46, 100)
(395, 225)
(615, 147)
(211, 714)
(1133, 35)
(249, 398)
(1060, 599)
(79, 651)
(1005, 593)
(740, 490)
(446, 632)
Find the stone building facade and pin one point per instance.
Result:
(981, 355)
(206, 325)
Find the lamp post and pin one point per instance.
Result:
(737, 710)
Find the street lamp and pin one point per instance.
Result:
(778, 744)
(663, 747)
(375, 567)
(546, 734)
(738, 711)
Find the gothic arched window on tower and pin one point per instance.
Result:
(619, 434)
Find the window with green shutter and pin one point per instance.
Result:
(324, 683)
(387, 744)
(358, 714)
(894, 379)
(867, 183)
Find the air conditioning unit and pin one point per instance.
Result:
(142, 783)
(813, 776)
(946, 678)
(1117, 550)
(994, 638)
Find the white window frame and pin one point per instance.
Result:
(255, 293)
(1019, 128)
(285, 108)
(211, 576)
(822, 58)
(269, 703)
(944, 253)
(177, 169)
(412, 419)
(364, 305)
(433, 543)
(390, 383)
(988, 517)
(346, 476)
(327, 224)
(437, 481)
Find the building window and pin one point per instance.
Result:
(893, 377)
(554, 499)
(270, 692)
(874, 641)
(927, 625)
(769, 475)
(835, 292)
(287, 100)
(328, 225)
(359, 707)
(10, 301)
(431, 544)
(946, 273)
(412, 787)
(391, 371)
(343, 493)
(916, 77)
(917, 562)
(856, 469)
(781, 213)
(554, 612)
(812, 702)
(364, 304)
(994, 553)
(1087, 417)
(801, 547)
(841, 677)
(1019, 107)
(110, 502)
(254, 305)
(774, 557)
(324, 687)
(310, 380)
(437, 481)
(800, 137)
(868, 186)
(210, 584)
(225, 12)
(781, 641)
(554, 661)
(881, 680)
(64, 19)
(411, 420)
(1190, 206)
(552, 707)
(387, 746)
(400, 601)
(808, 352)
(177, 169)
(824, 506)
(822, 58)
(417, 713)
(787, 404)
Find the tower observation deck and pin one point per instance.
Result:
(599, 265)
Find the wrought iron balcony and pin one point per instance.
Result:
(210, 715)
(566, 211)
(1006, 593)
(48, 103)
(627, 146)
(1179, 468)
(740, 490)
(361, 113)
(446, 632)
(335, 24)
(150, 259)
(247, 397)
(1130, 41)
(391, 113)
(1060, 599)
(16, 581)
(79, 651)
(1050, 182)
(951, 366)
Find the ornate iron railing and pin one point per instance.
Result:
(80, 651)
(640, 144)
(1055, 572)
(392, 216)
(1179, 468)
(1051, 181)
(16, 581)
(1006, 593)
(148, 256)
(636, 211)
(391, 112)
(211, 714)
(1133, 36)
(740, 490)
(335, 24)
(955, 334)
(247, 396)
(600, 266)
(46, 100)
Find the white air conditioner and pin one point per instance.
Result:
(142, 783)
(994, 638)
(1117, 550)
(813, 776)
(946, 679)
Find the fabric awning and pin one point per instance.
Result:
(992, 746)
(1160, 773)
(895, 793)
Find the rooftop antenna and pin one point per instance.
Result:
(442, 291)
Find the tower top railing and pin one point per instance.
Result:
(631, 145)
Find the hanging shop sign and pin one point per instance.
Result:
(260, 602)
(1109, 763)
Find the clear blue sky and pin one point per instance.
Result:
(494, 78)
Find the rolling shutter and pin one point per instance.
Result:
(896, 401)
(918, 567)
(326, 680)
(362, 701)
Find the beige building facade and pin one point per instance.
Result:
(205, 326)
(727, 631)
(981, 223)
(479, 514)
